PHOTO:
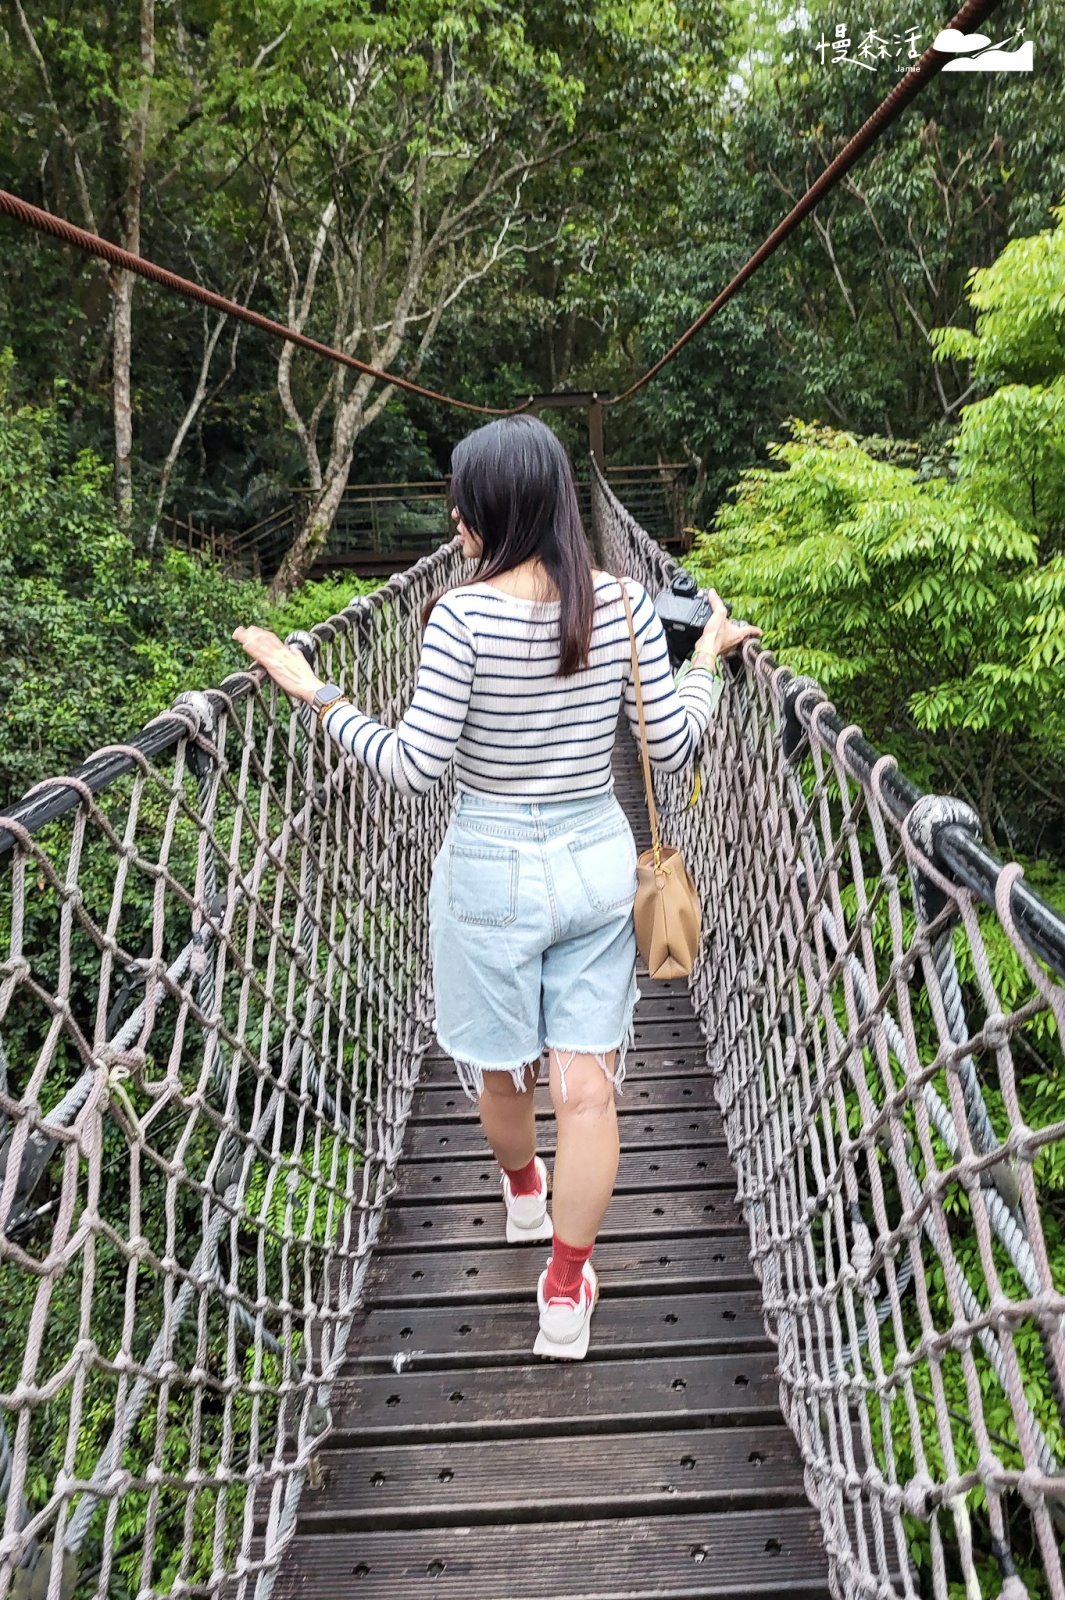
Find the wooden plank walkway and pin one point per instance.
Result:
(660, 1466)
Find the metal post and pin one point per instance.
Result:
(595, 433)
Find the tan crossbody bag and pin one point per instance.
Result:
(667, 913)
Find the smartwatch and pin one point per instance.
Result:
(326, 698)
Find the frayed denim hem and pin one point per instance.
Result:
(617, 1077)
(471, 1074)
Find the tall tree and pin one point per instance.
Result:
(105, 120)
(96, 72)
(404, 155)
(838, 324)
(135, 142)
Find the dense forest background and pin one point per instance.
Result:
(501, 201)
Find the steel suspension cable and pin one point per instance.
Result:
(929, 65)
(69, 233)
(889, 109)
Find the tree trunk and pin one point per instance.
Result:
(122, 396)
(353, 417)
(299, 557)
(122, 282)
(192, 411)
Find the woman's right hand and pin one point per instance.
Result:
(721, 635)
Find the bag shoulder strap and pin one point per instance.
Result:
(652, 813)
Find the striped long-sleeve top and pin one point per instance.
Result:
(488, 696)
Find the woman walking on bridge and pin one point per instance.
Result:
(522, 675)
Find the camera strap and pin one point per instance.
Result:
(652, 813)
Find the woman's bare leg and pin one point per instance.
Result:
(586, 1161)
(508, 1117)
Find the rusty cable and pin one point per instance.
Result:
(125, 260)
(931, 63)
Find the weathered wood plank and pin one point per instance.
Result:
(456, 1226)
(662, 1061)
(659, 1466)
(640, 1172)
(536, 1399)
(662, 1022)
(433, 1485)
(640, 1130)
(449, 1104)
(510, 1273)
(769, 1554)
(656, 1006)
(678, 1032)
(482, 1333)
(642, 1061)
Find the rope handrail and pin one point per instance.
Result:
(214, 995)
(956, 848)
(874, 1053)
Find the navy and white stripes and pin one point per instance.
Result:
(488, 695)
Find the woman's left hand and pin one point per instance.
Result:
(285, 664)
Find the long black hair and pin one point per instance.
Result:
(512, 484)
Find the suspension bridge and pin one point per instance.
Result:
(261, 1333)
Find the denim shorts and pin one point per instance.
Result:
(531, 935)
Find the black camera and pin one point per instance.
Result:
(684, 611)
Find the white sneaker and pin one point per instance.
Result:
(566, 1325)
(527, 1218)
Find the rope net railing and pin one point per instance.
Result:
(214, 993)
(881, 1029)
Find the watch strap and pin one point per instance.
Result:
(325, 698)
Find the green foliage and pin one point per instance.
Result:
(682, 135)
(507, 144)
(94, 639)
(925, 589)
(913, 599)
(315, 601)
(931, 600)
(925, 584)
(836, 324)
(1019, 302)
(900, 1344)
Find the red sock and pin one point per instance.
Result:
(565, 1270)
(524, 1180)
